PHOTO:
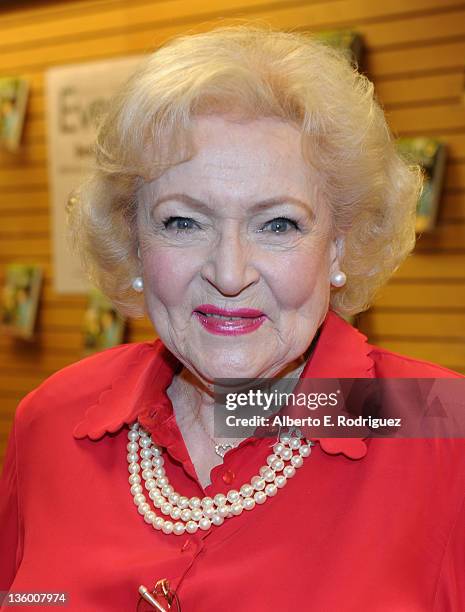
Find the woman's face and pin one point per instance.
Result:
(236, 227)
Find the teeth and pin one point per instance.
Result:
(224, 317)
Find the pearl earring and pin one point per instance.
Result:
(138, 284)
(338, 279)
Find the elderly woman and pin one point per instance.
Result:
(247, 194)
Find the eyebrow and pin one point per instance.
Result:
(258, 206)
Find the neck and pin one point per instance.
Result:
(193, 405)
(193, 401)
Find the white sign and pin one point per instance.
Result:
(77, 95)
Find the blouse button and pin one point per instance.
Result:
(228, 476)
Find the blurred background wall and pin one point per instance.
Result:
(414, 53)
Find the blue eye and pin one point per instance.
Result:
(280, 225)
(180, 224)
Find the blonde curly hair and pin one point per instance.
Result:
(251, 72)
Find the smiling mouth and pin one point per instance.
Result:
(227, 317)
(211, 310)
(228, 324)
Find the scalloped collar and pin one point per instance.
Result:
(138, 391)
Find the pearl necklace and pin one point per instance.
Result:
(190, 514)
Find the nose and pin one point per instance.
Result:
(229, 264)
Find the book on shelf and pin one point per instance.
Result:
(20, 300)
(430, 154)
(103, 326)
(348, 41)
(13, 101)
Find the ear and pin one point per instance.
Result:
(336, 254)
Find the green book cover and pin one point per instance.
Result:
(430, 153)
(349, 41)
(13, 100)
(103, 326)
(20, 298)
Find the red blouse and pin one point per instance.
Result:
(384, 532)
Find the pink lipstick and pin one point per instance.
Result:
(229, 322)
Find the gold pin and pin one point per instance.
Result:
(160, 592)
(147, 595)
